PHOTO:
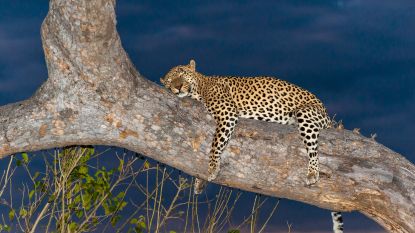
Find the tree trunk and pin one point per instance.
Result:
(95, 96)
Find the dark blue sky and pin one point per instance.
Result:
(358, 56)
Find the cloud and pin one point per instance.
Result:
(14, 45)
(356, 55)
(283, 34)
(22, 63)
(131, 8)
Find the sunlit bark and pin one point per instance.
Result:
(94, 95)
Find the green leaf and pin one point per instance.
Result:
(146, 165)
(31, 193)
(115, 219)
(7, 228)
(86, 201)
(51, 198)
(172, 232)
(11, 214)
(83, 170)
(18, 163)
(139, 223)
(73, 226)
(85, 158)
(142, 223)
(121, 165)
(36, 175)
(234, 231)
(79, 213)
(23, 212)
(94, 221)
(77, 199)
(90, 151)
(25, 157)
(123, 204)
(120, 195)
(107, 210)
(134, 221)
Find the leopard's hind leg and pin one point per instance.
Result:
(311, 119)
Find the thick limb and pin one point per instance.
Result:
(112, 106)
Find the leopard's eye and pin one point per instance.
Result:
(178, 85)
(185, 86)
(175, 91)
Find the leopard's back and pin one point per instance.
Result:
(269, 99)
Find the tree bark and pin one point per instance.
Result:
(95, 96)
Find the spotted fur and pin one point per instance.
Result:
(337, 222)
(261, 98)
(198, 186)
(269, 99)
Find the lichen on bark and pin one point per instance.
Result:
(95, 96)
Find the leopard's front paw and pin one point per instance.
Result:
(312, 177)
(197, 190)
(199, 186)
(213, 173)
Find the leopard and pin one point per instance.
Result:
(263, 98)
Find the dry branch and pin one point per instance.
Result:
(94, 95)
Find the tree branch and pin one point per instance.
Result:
(94, 95)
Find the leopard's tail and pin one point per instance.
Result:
(337, 222)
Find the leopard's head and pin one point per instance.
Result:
(180, 79)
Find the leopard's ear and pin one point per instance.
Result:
(192, 65)
(162, 81)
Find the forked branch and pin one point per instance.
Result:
(94, 95)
